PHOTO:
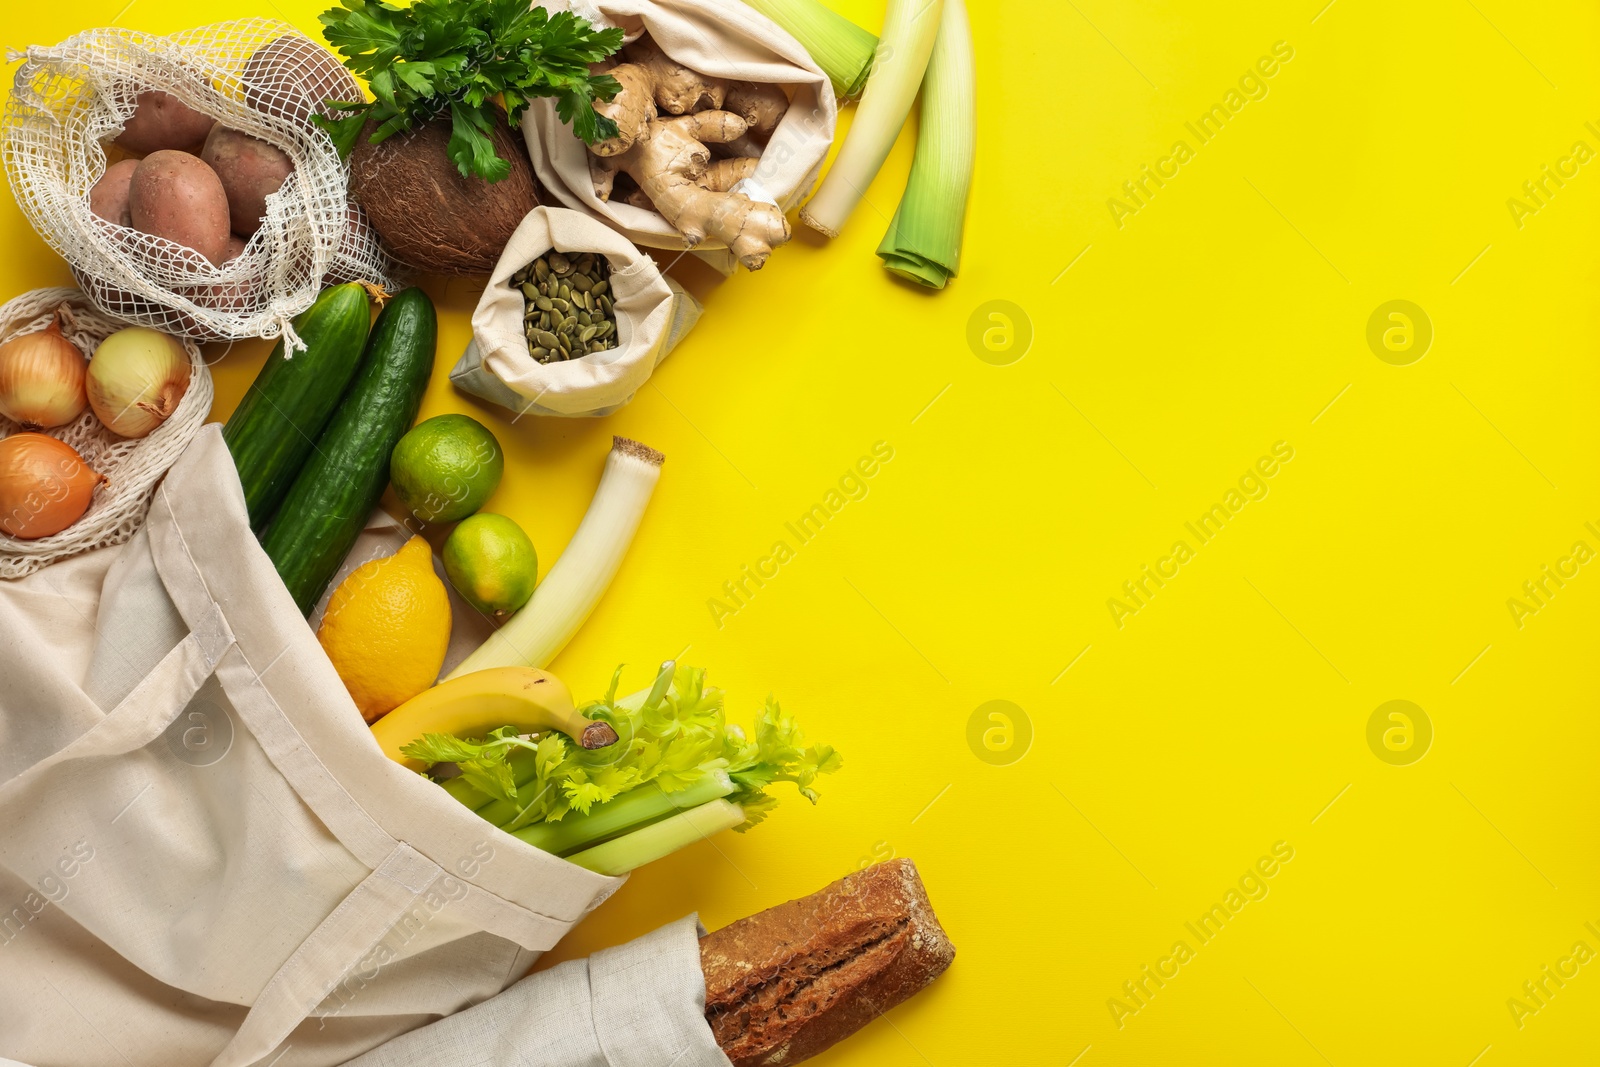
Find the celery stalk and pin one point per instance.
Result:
(924, 240)
(633, 809)
(621, 855)
(524, 762)
(909, 30)
(842, 49)
(467, 793)
(523, 767)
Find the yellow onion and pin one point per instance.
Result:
(41, 378)
(45, 486)
(136, 378)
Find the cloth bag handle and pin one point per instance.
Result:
(151, 707)
(339, 947)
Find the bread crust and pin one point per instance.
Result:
(791, 981)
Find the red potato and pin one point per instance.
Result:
(176, 196)
(250, 169)
(162, 122)
(235, 248)
(295, 77)
(109, 197)
(351, 248)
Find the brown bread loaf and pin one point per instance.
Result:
(784, 984)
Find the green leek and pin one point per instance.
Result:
(623, 854)
(842, 49)
(633, 809)
(924, 240)
(909, 30)
(533, 636)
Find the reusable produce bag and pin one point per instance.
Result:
(131, 466)
(69, 100)
(205, 858)
(722, 38)
(653, 313)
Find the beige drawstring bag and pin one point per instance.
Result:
(722, 38)
(652, 311)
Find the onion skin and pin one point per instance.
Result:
(135, 380)
(45, 486)
(42, 379)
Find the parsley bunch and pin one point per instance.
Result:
(463, 58)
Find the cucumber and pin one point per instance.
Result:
(289, 404)
(327, 506)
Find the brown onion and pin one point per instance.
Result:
(41, 378)
(45, 486)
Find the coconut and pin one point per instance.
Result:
(426, 213)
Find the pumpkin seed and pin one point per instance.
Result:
(568, 308)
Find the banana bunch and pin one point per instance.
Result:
(532, 700)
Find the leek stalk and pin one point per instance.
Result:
(621, 855)
(924, 240)
(632, 810)
(533, 636)
(909, 30)
(842, 49)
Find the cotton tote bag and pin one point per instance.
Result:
(204, 857)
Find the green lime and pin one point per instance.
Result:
(491, 563)
(446, 467)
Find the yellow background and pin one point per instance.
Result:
(1227, 314)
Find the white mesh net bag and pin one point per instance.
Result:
(131, 467)
(258, 76)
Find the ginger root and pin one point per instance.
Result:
(666, 116)
(672, 166)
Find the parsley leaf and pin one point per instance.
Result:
(473, 60)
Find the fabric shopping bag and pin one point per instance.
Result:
(204, 857)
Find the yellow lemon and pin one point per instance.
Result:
(387, 628)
